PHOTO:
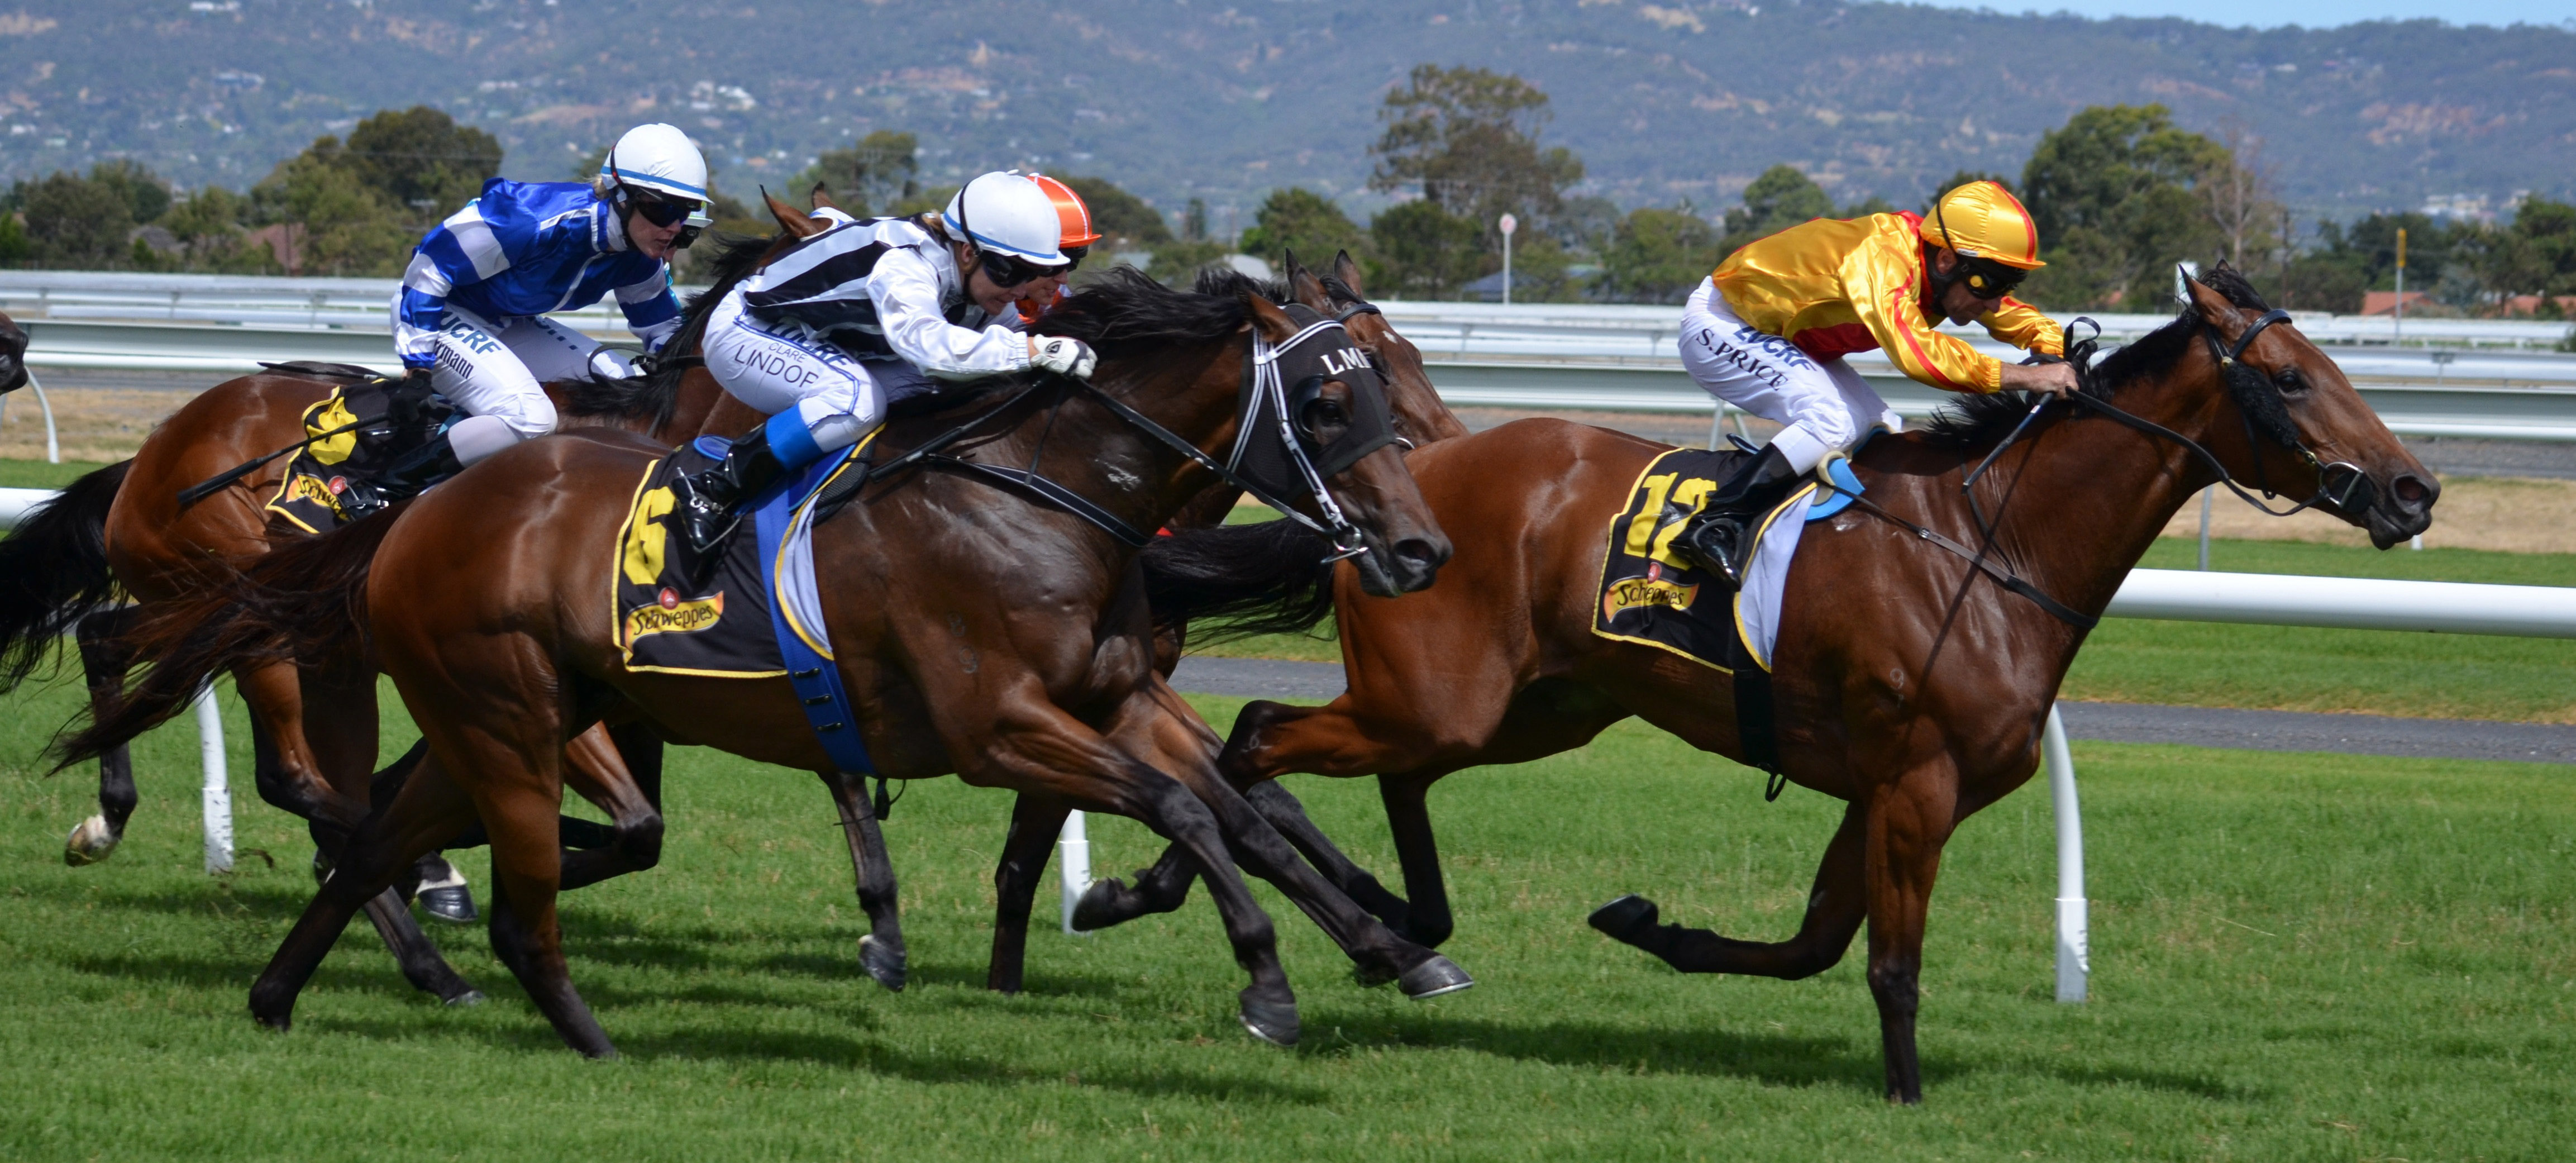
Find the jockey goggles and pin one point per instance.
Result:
(1988, 279)
(658, 211)
(1008, 271)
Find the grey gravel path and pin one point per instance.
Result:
(2108, 722)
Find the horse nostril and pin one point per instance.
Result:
(1419, 552)
(2415, 491)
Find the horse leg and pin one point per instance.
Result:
(596, 766)
(1835, 908)
(103, 667)
(881, 951)
(283, 764)
(1424, 914)
(1035, 823)
(1909, 821)
(429, 810)
(1268, 1006)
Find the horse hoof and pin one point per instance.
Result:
(471, 997)
(1098, 907)
(884, 961)
(452, 903)
(1621, 920)
(1272, 1022)
(1434, 978)
(91, 841)
(280, 1021)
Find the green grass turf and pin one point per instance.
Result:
(2296, 957)
(36, 474)
(2295, 668)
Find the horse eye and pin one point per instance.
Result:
(2290, 382)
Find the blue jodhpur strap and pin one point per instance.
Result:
(816, 679)
(792, 443)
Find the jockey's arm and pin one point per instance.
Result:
(459, 252)
(2024, 326)
(905, 290)
(652, 309)
(1885, 291)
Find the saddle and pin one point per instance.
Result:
(367, 422)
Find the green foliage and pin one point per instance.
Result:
(1780, 198)
(357, 208)
(145, 195)
(883, 169)
(1178, 261)
(2536, 255)
(15, 246)
(1300, 221)
(1467, 139)
(76, 222)
(421, 159)
(1417, 250)
(1123, 219)
(2112, 193)
(1658, 256)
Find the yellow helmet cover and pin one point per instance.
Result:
(1983, 220)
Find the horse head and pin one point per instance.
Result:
(2301, 426)
(13, 355)
(1401, 546)
(1420, 416)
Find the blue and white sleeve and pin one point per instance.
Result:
(459, 252)
(652, 309)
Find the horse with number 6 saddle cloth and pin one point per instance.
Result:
(747, 608)
(367, 423)
(1657, 597)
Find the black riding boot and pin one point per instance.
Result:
(708, 500)
(417, 470)
(1721, 533)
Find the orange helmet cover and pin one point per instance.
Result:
(1070, 210)
(1983, 220)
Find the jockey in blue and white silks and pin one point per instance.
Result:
(470, 316)
(867, 312)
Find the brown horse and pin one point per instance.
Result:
(13, 355)
(1908, 683)
(126, 532)
(979, 633)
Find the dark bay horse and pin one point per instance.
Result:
(979, 632)
(13, 355)
(124, 532)
(1908, 684)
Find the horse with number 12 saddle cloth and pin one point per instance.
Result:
(366, 423)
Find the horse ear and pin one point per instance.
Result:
(1348, 273)
(2200, 297)
(821, 197)
(1305, 287)
(791, 219)
(1274, 323)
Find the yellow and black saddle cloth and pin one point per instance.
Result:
(362, 426)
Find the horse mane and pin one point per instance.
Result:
(1973, 422)
(1125, 311)
(733, 258)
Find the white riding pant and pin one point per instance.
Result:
(830, 390)
(495, 370)
(1824, 405)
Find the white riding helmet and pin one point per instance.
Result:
(659, 158)
(1009, 215)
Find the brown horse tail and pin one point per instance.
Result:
(53, 570)
(1235, 581)
(297, 603)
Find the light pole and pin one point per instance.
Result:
(2399, 330)
(1508, 224)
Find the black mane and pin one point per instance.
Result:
(1124, 311)
(1978, 421)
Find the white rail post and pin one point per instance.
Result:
(1074, 850)
(218, 791)
(2204, 526)
(53, 450)
(2074, 956)
(1717, 427)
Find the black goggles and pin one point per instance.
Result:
(660, 211)
(1012, 271)
(1988, 279)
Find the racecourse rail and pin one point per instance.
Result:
(2163, 594)
(2445, 377)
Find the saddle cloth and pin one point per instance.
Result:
(353, 432)
(749, 608)
(1653, 596)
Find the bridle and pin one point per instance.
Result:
(2240, 381)
(1263, 393)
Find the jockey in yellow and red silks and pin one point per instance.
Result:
(1767, 332)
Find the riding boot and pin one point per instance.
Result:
(406, 477)
(1720, 535)
(709, 501)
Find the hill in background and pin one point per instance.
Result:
(1227, 100)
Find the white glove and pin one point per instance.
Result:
(1063, 355)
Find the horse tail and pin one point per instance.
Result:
(1235, 581)
(297, 603)
(53, 570)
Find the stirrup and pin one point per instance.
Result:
(1692, 542)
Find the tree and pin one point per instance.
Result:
(146, 196)
(2113, 193)
(1421, 251)
(420, 159)
(1780, 198)
(881, 170)
(75, 222)
(15, 248)
(2534, 256)
(1124, 221)
(2236, 193)
(1658, 256)
(1300, 221)
(1468, 139)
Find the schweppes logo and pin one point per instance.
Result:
(1636, 592)
(315, 490)
(672, 615)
